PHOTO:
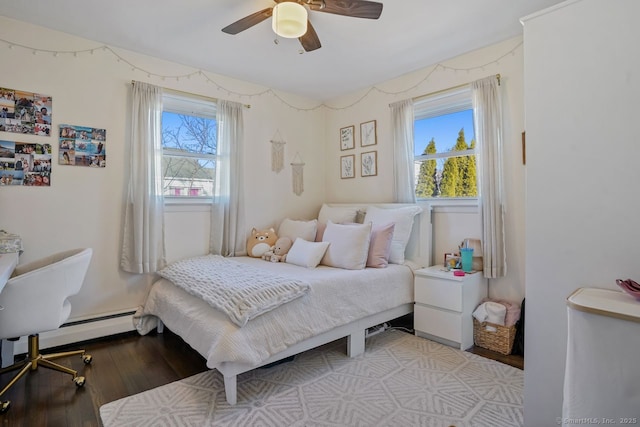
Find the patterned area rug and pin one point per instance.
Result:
(401, 380)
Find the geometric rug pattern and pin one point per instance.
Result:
(400, 380)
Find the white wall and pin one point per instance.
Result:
(582, 86)
(84, 206)
(503, 58)
(451, 225)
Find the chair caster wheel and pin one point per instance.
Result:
(87, 359)
(79, 381)
(4, 406)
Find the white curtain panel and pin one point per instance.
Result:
(228, 234)
(143, 241)
(402, 127)
(487, 111)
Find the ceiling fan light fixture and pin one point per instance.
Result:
(289, 20)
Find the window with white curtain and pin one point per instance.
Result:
(189, 147)
(445, 162)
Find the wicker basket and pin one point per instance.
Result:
(499, 341)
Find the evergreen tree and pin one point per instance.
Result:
(459, 174)
(457, 178)
(426, 185)
(462, 164)
(450, 177)
(470, 187)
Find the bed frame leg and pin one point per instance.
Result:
(355, 344)
(231, 389)
(160, 327)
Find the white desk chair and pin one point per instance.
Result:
(35, 301)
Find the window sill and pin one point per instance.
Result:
(183, 204)
(460, 205)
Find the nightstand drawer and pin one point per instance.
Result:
(444, 324)
(437, 292)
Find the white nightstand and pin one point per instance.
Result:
(444, 304)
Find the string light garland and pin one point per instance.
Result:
(203, 75)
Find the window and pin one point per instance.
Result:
(189, 141)
(445, 162)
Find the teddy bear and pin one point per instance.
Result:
(278, 252)
(260, 242)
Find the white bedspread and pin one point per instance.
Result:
(239, 290)
(337, 297)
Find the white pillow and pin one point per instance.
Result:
(349, 245)
(293, 229)
(306, 254)
(337, 214)
(403, 219)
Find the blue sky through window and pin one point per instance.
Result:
(170, 121)
(444, 129)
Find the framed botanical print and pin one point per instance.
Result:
(368, 133)
(347, 138)
(369, 163)
(347, 166)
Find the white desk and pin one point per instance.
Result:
(8, 263)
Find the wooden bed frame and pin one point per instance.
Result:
(417, 251)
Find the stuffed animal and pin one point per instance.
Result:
(278, 252)
(260, 242)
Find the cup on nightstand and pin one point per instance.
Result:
(467, 259)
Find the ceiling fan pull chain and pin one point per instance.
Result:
(316, 4)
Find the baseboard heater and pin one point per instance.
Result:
(77, 330)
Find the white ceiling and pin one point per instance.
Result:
(356, 53)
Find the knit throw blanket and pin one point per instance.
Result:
(241, 291)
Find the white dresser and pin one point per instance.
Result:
(444, 304)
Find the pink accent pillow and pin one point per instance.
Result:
(320, 231)
(380, 245)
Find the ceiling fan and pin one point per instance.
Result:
(290, 17)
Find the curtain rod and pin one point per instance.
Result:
(208, 98)
(420, 97)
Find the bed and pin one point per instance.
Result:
(340, 303)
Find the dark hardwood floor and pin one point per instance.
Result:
(510, 359)
(122, 365)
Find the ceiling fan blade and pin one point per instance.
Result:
(248, 21)
(310, 40)
(353, 8)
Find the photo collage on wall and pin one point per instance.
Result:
(25, 112)
(82, 146)
(23, 163)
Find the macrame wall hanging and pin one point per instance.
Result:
(277, 153)
(297, 175)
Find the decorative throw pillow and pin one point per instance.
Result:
(293, 229)
(402, 217)
(306, 254)
(349, 245)
(380, 245)
(320, 231)
(337, 214)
